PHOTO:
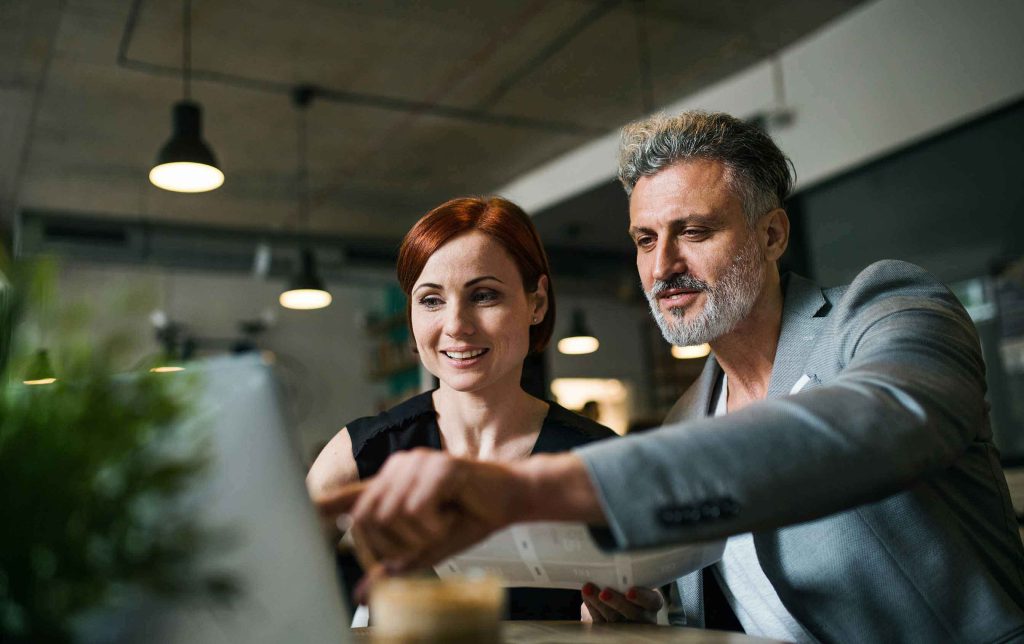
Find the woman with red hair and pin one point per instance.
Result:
(479, 300)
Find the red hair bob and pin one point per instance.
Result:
(498, 218)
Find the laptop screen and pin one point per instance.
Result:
(255, 492)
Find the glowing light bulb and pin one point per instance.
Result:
(186, 176)
(691, 352)
(305, 299)
(578, 345)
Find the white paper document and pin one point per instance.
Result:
(563, 555)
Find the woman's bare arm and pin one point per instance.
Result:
(334, 467)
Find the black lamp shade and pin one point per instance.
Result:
(186, 142)
(185, 163)
(40, 371)
(579, 340)
(306, 277)
(305, 289)
(578, 328)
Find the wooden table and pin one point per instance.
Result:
(529, 632)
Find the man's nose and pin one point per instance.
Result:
(459, 321)
(668, 261)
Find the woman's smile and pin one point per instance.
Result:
(462, 358)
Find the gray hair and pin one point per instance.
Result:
(758, 171)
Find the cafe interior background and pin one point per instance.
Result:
(337, 124)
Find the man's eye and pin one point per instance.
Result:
(431, 301)
(695, 233)
(644, 242)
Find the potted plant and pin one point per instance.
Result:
(93, 466)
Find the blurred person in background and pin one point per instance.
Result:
(480, 299)
(839, 437)
(591, 409)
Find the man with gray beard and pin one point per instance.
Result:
(725, 304)
(838, 437)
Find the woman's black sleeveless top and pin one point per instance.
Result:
(413, 423)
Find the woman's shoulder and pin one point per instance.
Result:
(563, 430)
(401, 416)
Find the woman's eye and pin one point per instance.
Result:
(431, 301)
(485, 296)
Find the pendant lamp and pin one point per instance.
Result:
(166, 362)
(185, 163)
(40, 371)
(579, 339)
(305, 290)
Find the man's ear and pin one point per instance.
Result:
(776, 233)
(540, 299)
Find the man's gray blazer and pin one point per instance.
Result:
(875, 496)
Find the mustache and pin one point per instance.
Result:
(679, 280)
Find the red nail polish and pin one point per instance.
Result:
(605, 595)
(588, 590)
(631, 594)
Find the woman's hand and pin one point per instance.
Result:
(636, 605)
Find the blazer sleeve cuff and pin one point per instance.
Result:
(613, 496)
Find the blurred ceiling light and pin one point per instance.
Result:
(40, 371)
(167, 369)
(305, 291)
(305, 299)
(185, 163)
(41, 381)
(167, 361)
(579, 340)
(691, 352)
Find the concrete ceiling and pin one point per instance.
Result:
(422, 100)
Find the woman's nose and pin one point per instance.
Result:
(459, 322)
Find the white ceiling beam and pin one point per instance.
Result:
(877, 79)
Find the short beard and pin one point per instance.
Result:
(726, 303)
